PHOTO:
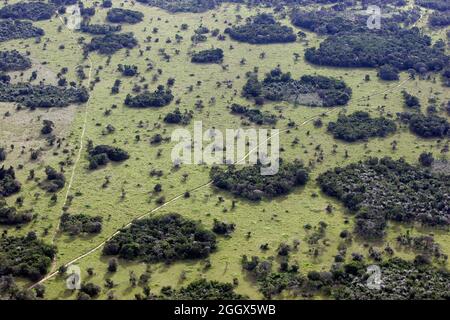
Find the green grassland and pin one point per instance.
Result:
(273, 222)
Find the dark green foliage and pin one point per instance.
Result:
(254, 115)
(42, 96)
(203, 290)
(111, 42)
(426, 159)
(223, 228)
(47, 127)
(183, 5)
(388, 73)
(75, 224)
(16, 29)
(92, 290)
(13, 61)
(249, 183)
(99, 29)
(28, 10)
(118, 15)
(430, 126)
(159, 98)
(102, 154)
(411, 101)
(423, 245)
(176, 117)
(127, 70)
(309, 90)
(440, 5)
(165, 238)
(401, 280)
(8, 183)
(9, 290)
(10, 216)
(63, 2)
(439, 19)
(401, 49)
(208, 56)
(262, 29)
(26, 256)
(371, 190)
(55, 180)
(2, 154)
(360, 126)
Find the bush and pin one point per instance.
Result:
(75, 224)
(99, 29)
(203, 290)
(165, 238)
(10, 216)
(208, 56)
(102, 154)
(411, 101)
(111, 42)
(176, 117)
(8, 183)
(13, 61)
(118, 15)
(159, 98)
(223, 228)
(254, 115)
(55, 180)
(249, 183)
(360, 126)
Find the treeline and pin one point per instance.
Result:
(118, 15)
(8, 183)
(10, 216)
(35, 11)
(13, 61)
(16, 29)
(202, 290)
(165, 238)
(102, 154)
(208, 56)
(249, 183)
(111, 42)
(262, 29)
(42, 96)
(75, 224)
(360, 126)
(308, 90)
(254, 115)
(371, 190)
(159, 98)
(26, 257)
(99, 29)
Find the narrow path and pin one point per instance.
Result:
(54, 273)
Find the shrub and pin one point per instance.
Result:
(159, 98)
(118, 15)
(176, 117)
(8, 183)
(13, 61)
(55, 180)
(111, 42)
(203, 290)
(75, 224)
(208, 56)
(10, 216)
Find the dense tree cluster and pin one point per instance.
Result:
(400, 49)
(10, 215)
(75, 224)
(165, 238)
(195, 6)
(127, 70)
(440, 5)
(28, 10)
(208, 56)
(112, 42)
(10, 290)
(248, 182)
(262, 29)
(308, 90)
(8, 183)
(17, 29)
(223, 228)
(426, 126)
(439, 19)
(159, 98)
(118, 15)
(99, 29)
(371, 190)
(54, 182)
(13, 61)
(202, 290)
(424, 245)
(178, 117)
(254, 115)
(401, 280)
(411, 101)
(102, 154)
(360, 126)
(26, 256)
(42, 96)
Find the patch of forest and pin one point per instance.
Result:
(159, 98)
(426, 126)
(208, 56)
(35, 11)
(440, 5)
(202, 290)
(100, 155)
(16, 29)
(254, 115)
(248, 182)
(10, 216)
(165, 238)
(8, 183)
(308, 90)
(13, 61)
(262, 29)
(26, 256)
(111, 42)
(118, 15)
(377, 190)
(42, 96)
(75, 224)
(100, 29)
(178, 117)
(360, 126)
